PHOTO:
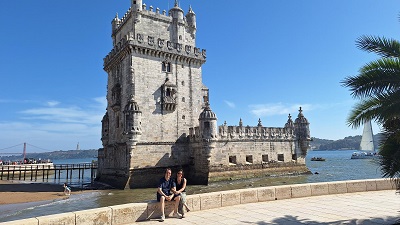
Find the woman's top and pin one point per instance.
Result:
(179, 186)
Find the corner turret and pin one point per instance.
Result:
(177, 31)
(208, 124)
(191, 18)
(105, 129)
(289, 123)
(302, 132)
(133, 121)
(114, 26)
(176, 12)
(136, 5)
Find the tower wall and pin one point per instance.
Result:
(158, 112)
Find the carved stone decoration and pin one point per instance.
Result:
(140, 38)
(196, 51)
(161, 42)
(188, 49)
(169, 91)
(178, 47)
(170, 45)
(116, 97)
(204, 53)
(150, 40)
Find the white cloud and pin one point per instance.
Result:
(262, 110)
(52, 103)
(230, 104)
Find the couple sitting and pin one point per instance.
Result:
(172, 190)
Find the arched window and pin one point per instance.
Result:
(166, 67)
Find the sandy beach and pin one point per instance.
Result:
(12, 192)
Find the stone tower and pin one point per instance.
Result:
(154, 94)
(158, 111)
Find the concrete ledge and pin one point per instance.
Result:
(301, 190)
(283, 192)
(194, 202)
(356, 186)
(122, 214)
(265, 194)
(129, 212)
(385, 184)
(339, 187)
(248, 196)
(30, 221)
(62, 218)
(210, 200)
(153, 210)
(319, 189)
(97, 216)
(230, 198)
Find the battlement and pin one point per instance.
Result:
(240, 133)
(156, 15)
(156, 46)
(255, 133)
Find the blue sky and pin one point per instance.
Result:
(264, 60)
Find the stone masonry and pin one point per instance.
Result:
(158, 113)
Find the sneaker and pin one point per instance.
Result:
(177, 215)
(162, 218)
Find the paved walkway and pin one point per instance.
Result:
(375, 207)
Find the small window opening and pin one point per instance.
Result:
(232, 160)
(265, 159)
(166, 67)
(294, 156)
(281, 158)
(249, 159)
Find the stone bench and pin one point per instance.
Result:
(132, 212)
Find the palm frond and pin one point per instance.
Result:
(374, 78)
(382, 46)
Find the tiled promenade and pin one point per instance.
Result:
(374, 207)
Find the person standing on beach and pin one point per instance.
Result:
(181, 191)
(165, 191)
(67, 190)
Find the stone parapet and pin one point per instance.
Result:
(121, 214)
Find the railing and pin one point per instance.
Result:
(33, 171)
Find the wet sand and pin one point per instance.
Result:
(12, 192)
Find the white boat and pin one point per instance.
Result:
(367, 147)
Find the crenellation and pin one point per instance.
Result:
(173, 50)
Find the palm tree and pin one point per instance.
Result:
(377, 86)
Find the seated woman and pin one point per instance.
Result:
(181, 191)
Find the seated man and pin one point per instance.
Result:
(165, 193)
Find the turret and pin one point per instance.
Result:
(136, 5)
(289, 123)
(302, 132)
(176, 12)
(105, 129)
(133, 121)
(114, 26)
(176, 32)
(191, 18)
(208, 124)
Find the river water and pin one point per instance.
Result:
(338, 166)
